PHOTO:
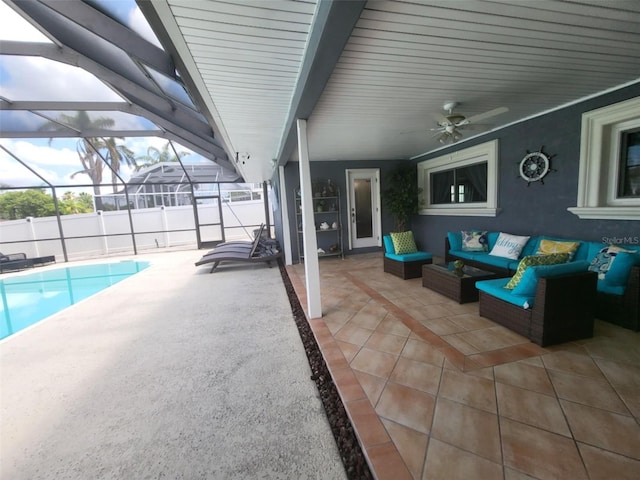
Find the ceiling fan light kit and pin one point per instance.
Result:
(448, 128)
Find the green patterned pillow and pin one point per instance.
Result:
(533, 260)
(403, 242)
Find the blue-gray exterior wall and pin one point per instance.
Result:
(527, 210)
(536, 209)
(334, 170)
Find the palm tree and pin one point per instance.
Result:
(154, 155)
(92, 164)
(115, 155)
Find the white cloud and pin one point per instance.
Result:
(15, 28)
(54, 165)
(36, 78)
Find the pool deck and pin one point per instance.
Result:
(171, 373)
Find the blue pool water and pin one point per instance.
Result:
(27, 299)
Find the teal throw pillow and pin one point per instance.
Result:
(534, 260)
(474, 241)
(603, 260)
(403, 242)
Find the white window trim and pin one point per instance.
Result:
(600, 163)
(486, 152)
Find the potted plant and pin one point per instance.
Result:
(401, 195)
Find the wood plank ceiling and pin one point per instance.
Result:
(403, 61)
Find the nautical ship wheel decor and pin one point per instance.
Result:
(534, 166)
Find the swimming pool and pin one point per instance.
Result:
(27, 299)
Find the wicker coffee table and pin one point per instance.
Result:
(457, 286)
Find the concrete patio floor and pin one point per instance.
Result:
(172, 373)
(437, 392)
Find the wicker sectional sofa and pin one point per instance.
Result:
(618, 304)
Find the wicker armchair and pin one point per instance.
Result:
(563, 310)
(623, 310)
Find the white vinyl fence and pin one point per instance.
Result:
(109, 233)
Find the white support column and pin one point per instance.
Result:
(311, 267)
(284, 211)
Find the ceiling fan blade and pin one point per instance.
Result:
(489, 114)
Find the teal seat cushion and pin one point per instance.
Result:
(618, 272)
(409, 257)
(495, 287)
(528, 283)
(388, 244)
(604, 287)
(501, 262)
(455, 240)
(464, 255)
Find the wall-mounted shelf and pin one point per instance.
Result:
(326, 209)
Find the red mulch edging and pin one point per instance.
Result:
(353, 459)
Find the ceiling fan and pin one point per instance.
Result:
(450, 125)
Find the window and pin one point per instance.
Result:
(629, 177)
(461, 183)
(609, 176)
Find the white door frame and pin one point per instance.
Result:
(374, 174)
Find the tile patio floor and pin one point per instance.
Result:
(435, 391)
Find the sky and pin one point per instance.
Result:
(34, 78)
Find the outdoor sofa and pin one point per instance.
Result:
(617, 291)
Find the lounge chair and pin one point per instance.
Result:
(19, 261)
(260, 250)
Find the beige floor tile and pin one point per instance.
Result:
(471, 390)
(524, 375)
(371, 385)
(511, 474)
(441, 326)
(621, 375)
(493, 338)
(532, 408)
(416, 349)
(353, 334)
(446, 462)
(406, 406)
(419, 375)
(569, 362)
(603, 465)
(460, 344)
(369, 316)
(600, 428)
(373, 362)
(539, 453)
(468, 428)
(472, 321)
(411, 445)
(392, 325)
(438, 310)
(349, 350)
(588, 391)
(386, 343)
(609, 349)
